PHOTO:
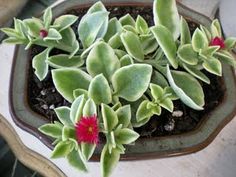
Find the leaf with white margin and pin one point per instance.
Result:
(187, 54)
(47, 17)
(62, 149)
(149, 43)
(90, 108)
(125, 136)
(64, 61)
(99, 90)
(127, 20)
(63, 114)
(132, 45)
(143, 112)
(68, 132)
(124, 115)
(68, 37)
(167, 43)
(87, 149)
(76, 159)
(126, 60)
(40, 65)
(53, 34)
(167, 104)
(141, 25)
(230, 42)
(216, 28)
(226, 57)
(206, 32)
(108, 160)
(196, 73)
(187, 88)
(90, 26)
(102, 59)
(185, 37)
(199, 40)
(156, 91)
(114, 27)
(99, 7)
(52, 130)
(64, 21)
(66, 80)
(166, 14)
(34, 26)
(77, 109)
(109, 116)
(130, 82)
(78, 92)
(115, 41)
(213, 66)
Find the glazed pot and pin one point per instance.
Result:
(144, 148)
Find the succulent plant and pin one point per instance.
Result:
(120, 74)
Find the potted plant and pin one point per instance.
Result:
(118, 75)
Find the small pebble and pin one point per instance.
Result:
(53, 90)
(43, 92)
(52, 106)
(170, 125)
(177, 113)
(44, 106)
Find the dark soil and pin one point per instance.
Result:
(43, 97)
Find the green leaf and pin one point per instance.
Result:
(87, 150)
(196, 73)
(13, 40)
(63, 114)
(166, 14)
(156, 91)
(77, 109)
(141, 25)
(126, 60)
(90, 26)
(68, 37)
(99, 90)
(40, 65)
(108, 161)
(34, 26)
(132, 45)
(66, 80)
(141, 123)
(213, 66)
(130, 82)
(53, 34)
(130, 29)
(149, 43)
(206, 32)
(11, 32)
(102, 59)
(78, 92)
(127, 20)
(209, 51)
(62, 149)
(47, 17)
(64, 61)
(52, 130)
(68, 133)
(230, 43)
(216, 28)
(187, 54)
(120, 53)
(199, 40)
(110, 118)
(115, 41)
(187, 88)
(143, 112)
(90, 108)
(167, 43)
(126, 136)
(99, 7)
(124, 115)
(185, 37)
(114, 27)
(167, 104)
(226, 57)
(77, 160)
(64, 21)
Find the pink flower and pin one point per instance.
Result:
(43, 33)
(217, 41)
(87, 130)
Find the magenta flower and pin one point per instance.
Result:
(217, 41)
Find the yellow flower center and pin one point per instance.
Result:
(90, 129)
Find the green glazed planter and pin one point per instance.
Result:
(144, 148)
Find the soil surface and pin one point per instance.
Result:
(43, 97)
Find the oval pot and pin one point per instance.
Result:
(144, 148)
